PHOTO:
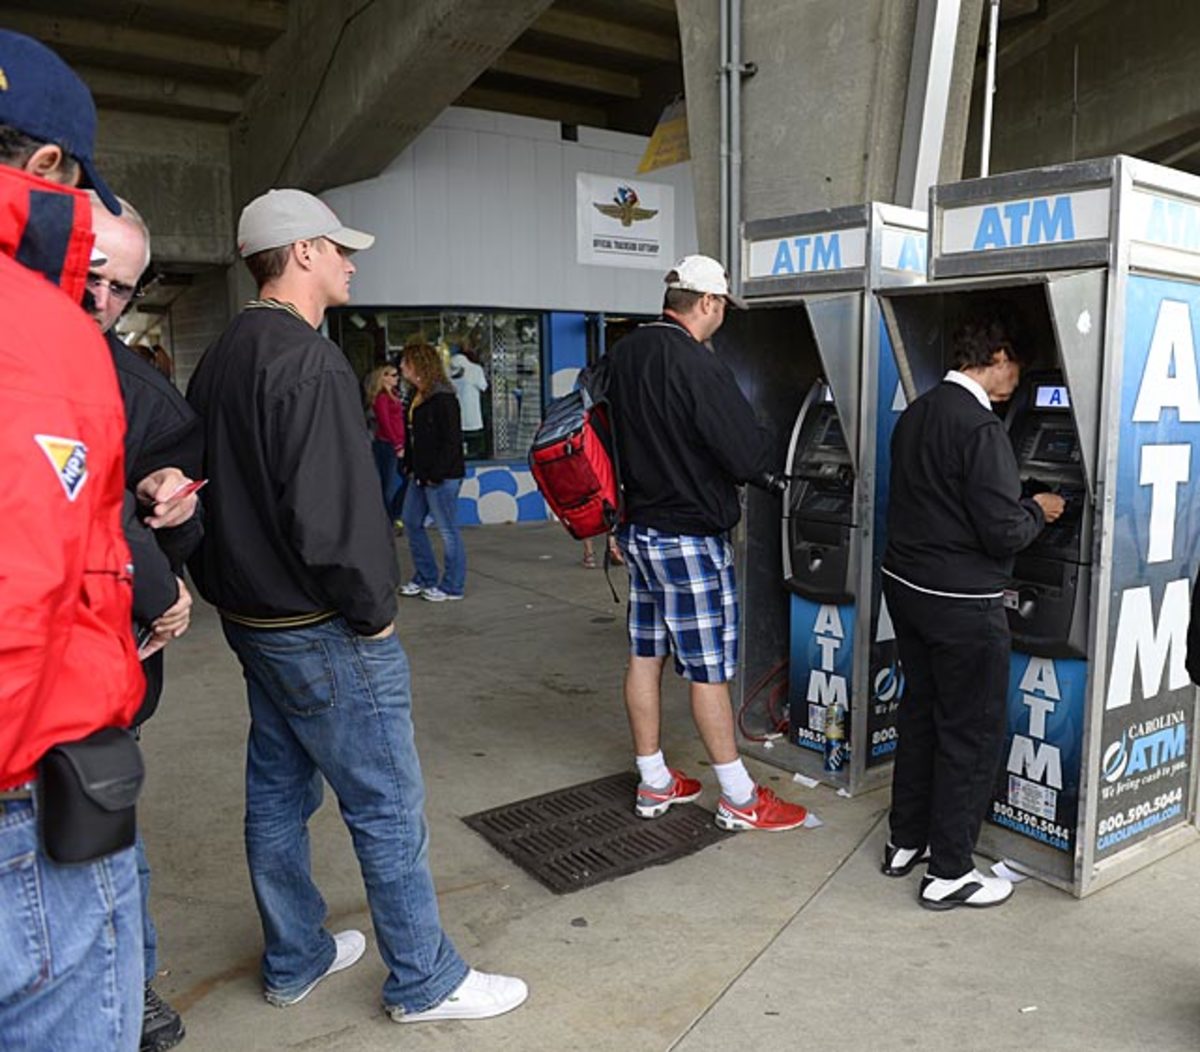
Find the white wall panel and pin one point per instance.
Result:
(480, 211)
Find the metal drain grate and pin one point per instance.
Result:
(587, 834)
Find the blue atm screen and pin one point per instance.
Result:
(1051, 398)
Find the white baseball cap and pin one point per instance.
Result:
(702, 274)
(281, 217)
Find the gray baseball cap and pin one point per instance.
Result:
(281, 217)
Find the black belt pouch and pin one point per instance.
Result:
(86, 792)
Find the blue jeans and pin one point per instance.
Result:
(149, 932)
(440, 501)
(70, 946)
(391, 479)
(324, 701)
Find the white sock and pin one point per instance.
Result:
(736, 784)
(654, 770)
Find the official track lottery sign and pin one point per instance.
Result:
(1149, 703)
(623, 222)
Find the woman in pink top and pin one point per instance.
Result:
(385, 410)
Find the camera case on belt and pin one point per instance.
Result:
(86, 795)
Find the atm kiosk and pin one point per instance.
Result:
(1099, 264)
(815, 359)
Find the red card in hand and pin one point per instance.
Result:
(186, 490)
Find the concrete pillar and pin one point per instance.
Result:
(176, 174)
(196, 319)
(823, 117)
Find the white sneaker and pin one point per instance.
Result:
(412, 588)
(973, 890)
(350, 947)
(479, 996)
(436, 595)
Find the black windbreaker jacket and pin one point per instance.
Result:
(956, 517)
(295, 531)
(161, 430)
(686, 435)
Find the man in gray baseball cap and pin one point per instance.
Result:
(280, 217)
(298, 557)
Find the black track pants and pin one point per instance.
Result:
(955, 654)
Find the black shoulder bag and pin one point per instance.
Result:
(86, 795)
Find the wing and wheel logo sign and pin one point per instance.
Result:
(626, 207)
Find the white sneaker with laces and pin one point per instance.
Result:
(412, 588)
(350, 947)
(480, 995)
(434, 595)
(973, 889)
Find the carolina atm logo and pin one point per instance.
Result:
(1146, 746)
(626, 207)
(68, 457)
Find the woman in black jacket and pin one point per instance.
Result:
(433, 460)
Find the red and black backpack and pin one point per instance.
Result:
(574, 460)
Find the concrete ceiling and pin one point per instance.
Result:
(605, 63)
(179, 58)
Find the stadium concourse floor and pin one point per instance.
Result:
(764, 942)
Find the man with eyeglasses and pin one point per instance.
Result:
(162, 439)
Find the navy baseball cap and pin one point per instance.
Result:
(41, 96)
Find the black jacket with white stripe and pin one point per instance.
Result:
(956, 517)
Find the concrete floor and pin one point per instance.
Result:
(764, 941)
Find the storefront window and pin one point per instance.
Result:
(494, 360)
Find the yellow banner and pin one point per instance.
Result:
(669, 143)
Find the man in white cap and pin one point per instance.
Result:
(686, 438)
(298, 557)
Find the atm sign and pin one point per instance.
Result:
(808, 253)
(1027, 222)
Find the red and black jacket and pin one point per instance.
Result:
(68, 665)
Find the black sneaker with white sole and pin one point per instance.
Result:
(973, 889)
(901, 861)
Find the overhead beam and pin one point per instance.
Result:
(147, 93)
(667, 7)
(612, 36)
(352, 83)
(245, 21)
(568, 74)
(544, 106)
(82, 41)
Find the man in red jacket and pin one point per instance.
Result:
(70, 937)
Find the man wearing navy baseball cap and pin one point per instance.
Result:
(47, 117)
(71, 950)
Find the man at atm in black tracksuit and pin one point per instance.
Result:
(956, 519)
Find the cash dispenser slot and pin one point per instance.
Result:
(818, 521)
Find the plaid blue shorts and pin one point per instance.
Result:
(682, 601)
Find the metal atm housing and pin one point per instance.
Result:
(1099, 264)
(813, 356)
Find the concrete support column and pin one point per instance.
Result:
(823, 118)
(196, 319)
